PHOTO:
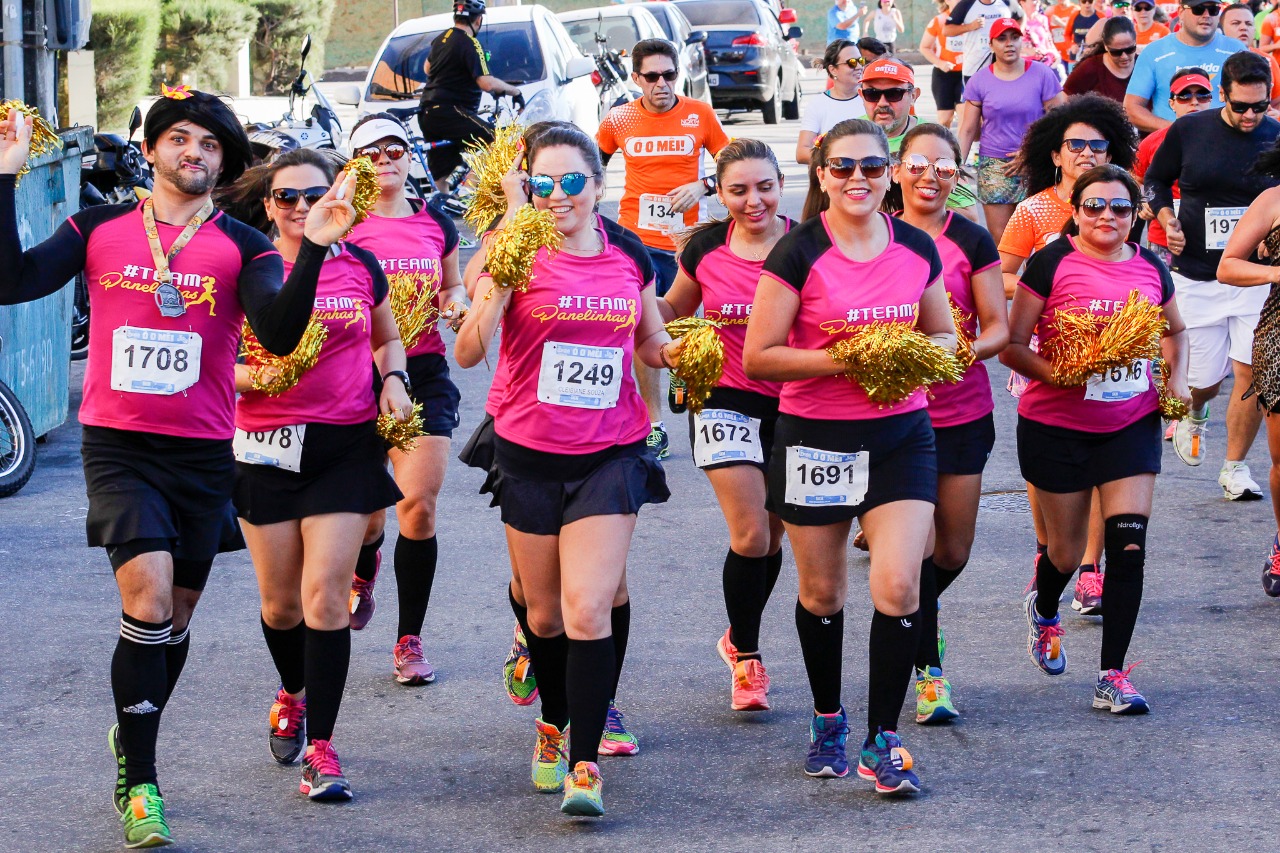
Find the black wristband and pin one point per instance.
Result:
(709, 184)
(402, 376)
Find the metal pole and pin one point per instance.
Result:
(11, 12)
(396, 3)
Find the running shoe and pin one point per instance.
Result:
(1088, 598)
(1189, 439)
(143, 818)
(517, 672)
(727, 650)
(677, 395)
(1044, 640)
(120, 798)
(1270, 572)
(933, 697)
(550, 757)
(361, 602)
(288, 727)
(322, 777)
(1236, 483)
(827, 736)
(1115, 693)
(616, 740)
(750, 686)
(583, 791)
(1170, 430)
(658, 443)
(410, 665)
(886, 762)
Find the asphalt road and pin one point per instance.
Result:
(445, 767)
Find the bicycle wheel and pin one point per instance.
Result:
(17, 444)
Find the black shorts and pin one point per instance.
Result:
(965, 448)
(343, 470)
(902, 462)
(481, 451)
(439, 397)
(948, 88)
(751, 404)
(453, 123)
(1060, 460)
(542, 492)
(160, 487)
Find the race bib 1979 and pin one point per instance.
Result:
(154, 361)
(1120, 383)
(822, 478)
(279, 448)
(579, 376)
(720, 435)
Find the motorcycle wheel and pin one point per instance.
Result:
(17, 444)
(80, 321)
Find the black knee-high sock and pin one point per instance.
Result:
(773, 568)
(822, 644)
(946, 577)
(549, 656)
(746, 590)
(1122, 590)
(415, 573)
(589, 672)
(520, 610)
(927, 649)
(139, 684)
(288, 648)
(367, 562)
(175, 658)
(1049, 586)
(891, 648)
(620, 621)
(328, 658)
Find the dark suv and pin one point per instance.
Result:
(750, 64)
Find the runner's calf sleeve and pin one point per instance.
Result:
(946, 577)
(288, 648)
(1122, 587)
(549, 657)
(367, 561)
(891, 648)
(1049, 586)
(620, 624)
(773, 567)
(175, 658)
(746, 590)
(822, 644)
(139, 685)
(589, 672)
(927, 648)
(415, 561)
(328, 656)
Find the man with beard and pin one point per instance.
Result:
(170, 282)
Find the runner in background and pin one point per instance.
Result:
(944, 54)
(843, 64)
(972, 19)
(1107, 72)
(1060, 15)
(1145, 25)
(1237, 23)
(1037, 42)
(1080, 25)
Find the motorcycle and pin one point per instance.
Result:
(320, 129)
(611, 77)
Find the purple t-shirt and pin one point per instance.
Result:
(1009, 106)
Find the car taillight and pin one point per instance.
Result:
(596, 79)
(752, 40)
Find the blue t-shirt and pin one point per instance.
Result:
(1159, 60)
(835, 15)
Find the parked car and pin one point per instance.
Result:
(750, 64)
(524, 45)
(622, 27)
(690, 41)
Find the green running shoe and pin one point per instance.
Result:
(143, 818)
(550, 757)
(933, 697)
(120, 798)
(584, 791)
(517, 672)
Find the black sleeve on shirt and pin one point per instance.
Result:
(278, 314)
(604, 158)
(1043, 267)
(380, 285)
(974, 240)
(1166, 280)
(629, 243)
(702, 244)
(794, 255)
(449, 230)
(959, 11)
(1166, 166)
(920, 242)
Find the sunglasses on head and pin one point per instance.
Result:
(1241, 108)
(873, 96)
(1117, 52)
(1097, 146)
(288, 196)
(1200, 96)
(393, 150)
(917, 164)
(1212, 9)
(1121, 207)
(655, 76)
(544, 185)
(841, 168)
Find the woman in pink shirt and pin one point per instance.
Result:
(1104, 434)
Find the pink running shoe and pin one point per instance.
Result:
(750, 686)
(322, 777)
(1088, 598)
(288, 727)
(727, 650)
(411, 667)
(361, 602)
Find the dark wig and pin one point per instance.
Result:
(207, 111)
(1046, 133)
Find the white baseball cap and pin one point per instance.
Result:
(376, 129)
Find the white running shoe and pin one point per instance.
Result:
(1189, 439)
(1236, 483)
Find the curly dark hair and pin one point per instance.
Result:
(1045, 134)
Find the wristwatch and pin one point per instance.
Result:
(709, 184)
(402, 376)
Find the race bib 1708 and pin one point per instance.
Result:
(822, 478)
(279, 448)
(720, 435)
(154, 361)
(578, 376)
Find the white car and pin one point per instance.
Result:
(622, 27)
(524, 45)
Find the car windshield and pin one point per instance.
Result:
(620, 32)
(712, 13)
(664, 21)
(511, 51)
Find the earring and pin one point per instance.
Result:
(1057, 175)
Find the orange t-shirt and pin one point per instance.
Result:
(1271, 27)
(662, 151)
(948, 49)
(1060, 16)
(1036, 222)
(1157, 31)
(1275, 71)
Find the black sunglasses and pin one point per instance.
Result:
(1200, 97)
(841, 168)
(873, 96)
(1121, 207)
(1117, 52)
(1097, 146)
(1211, 9)
(655, 76)
(288, 196)
(1240, 108)
(393, 150)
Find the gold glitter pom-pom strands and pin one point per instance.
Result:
(489, 165)
(964, 341)
(1086, 344)
(274, 374)
(515, 247)
(1171, 408)
(43, 139)
(891, 360)
(367, 191)
(402, 435)
(415, 310)
(702, 359)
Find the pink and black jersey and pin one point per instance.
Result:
(413, 246)
(728, 285)
(339, 388)
(966, 249)
(837, 296)
(1066, 278)
(589, 303)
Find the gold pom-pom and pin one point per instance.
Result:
(515, 245)
(414, 309)
(43, 138)
(964, 341)
(1171, 408)
(274, 374)
(1086, 344)
(367, 192)
(702, 359)
(892, 360)
(401, 434)
(489, 165)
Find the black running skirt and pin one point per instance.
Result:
(481, 451)
(1061, 460)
